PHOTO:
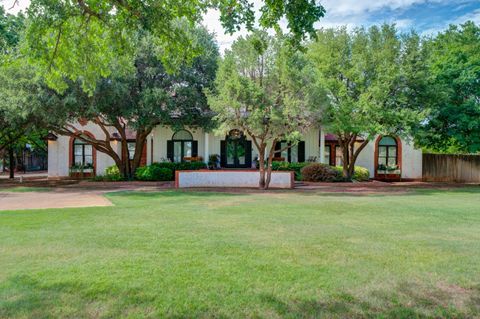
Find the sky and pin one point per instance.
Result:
(425, 16)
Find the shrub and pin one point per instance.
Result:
(316, 172)
(165, 171)
(361, 174)
(154, 173)
(112, 174)
(286, 166)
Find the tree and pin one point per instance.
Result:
(19, 121)
(11, 27)
(79, 39)
(264, 88)
(376, 83)
(138, 101)
(453, 124)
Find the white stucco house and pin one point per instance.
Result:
(235, 150)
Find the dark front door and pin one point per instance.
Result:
(236, 152)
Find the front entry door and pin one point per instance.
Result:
(236, 152)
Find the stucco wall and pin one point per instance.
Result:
(59, 153)
(411, 159)
(227, 178)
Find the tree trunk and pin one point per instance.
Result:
(350, 155)
(11, 163)
(261, 161)
(140, 142)
(271, 154)
(346, 160)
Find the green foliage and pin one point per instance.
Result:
(267, 90)
(317, 172)
(453, 125)
(112, 173)
(154, 173)
(361, 174)
(11, 28)
(286, 166)
(165, 171)
(375, 82)
(21, 122)
(79, 40)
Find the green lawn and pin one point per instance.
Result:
(24, 189)
(278, 255)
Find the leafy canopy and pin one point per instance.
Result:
(454, 122)
(266, 89)
(375, 83)
(79, 39)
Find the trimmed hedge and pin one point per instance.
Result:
(286, 166)
(317, 172)
(165, 171)
(154, 173)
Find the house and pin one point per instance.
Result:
(235, 150)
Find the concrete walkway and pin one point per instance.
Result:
(51, 199)
(83, 194)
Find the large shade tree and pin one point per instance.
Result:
(138, 101)
(453, 124)
(376, 82)
(19, 117)
(79, 39)
(264, 88)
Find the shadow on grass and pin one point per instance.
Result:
(406, 301)
(174, 194)
(26, 297)
(394, 191)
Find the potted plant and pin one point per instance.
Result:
(80, 170)
(214, 161)
(381, 169)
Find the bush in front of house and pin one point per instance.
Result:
(317, 172)
(165, 171)
(112, 174)
(154, 173)
(361, 174)
(286, 166)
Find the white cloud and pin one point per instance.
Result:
(472, 16)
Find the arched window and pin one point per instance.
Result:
(82, 153)
(387, 152)
(181, 146)
(182, 135)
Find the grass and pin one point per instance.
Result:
(279, 255)
(23, 189)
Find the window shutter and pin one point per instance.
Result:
(223, 153)
(301, 151)
(194, 148)
(248, 153)
(170, 150)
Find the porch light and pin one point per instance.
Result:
(51, 137)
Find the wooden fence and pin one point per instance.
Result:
(451, 168)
